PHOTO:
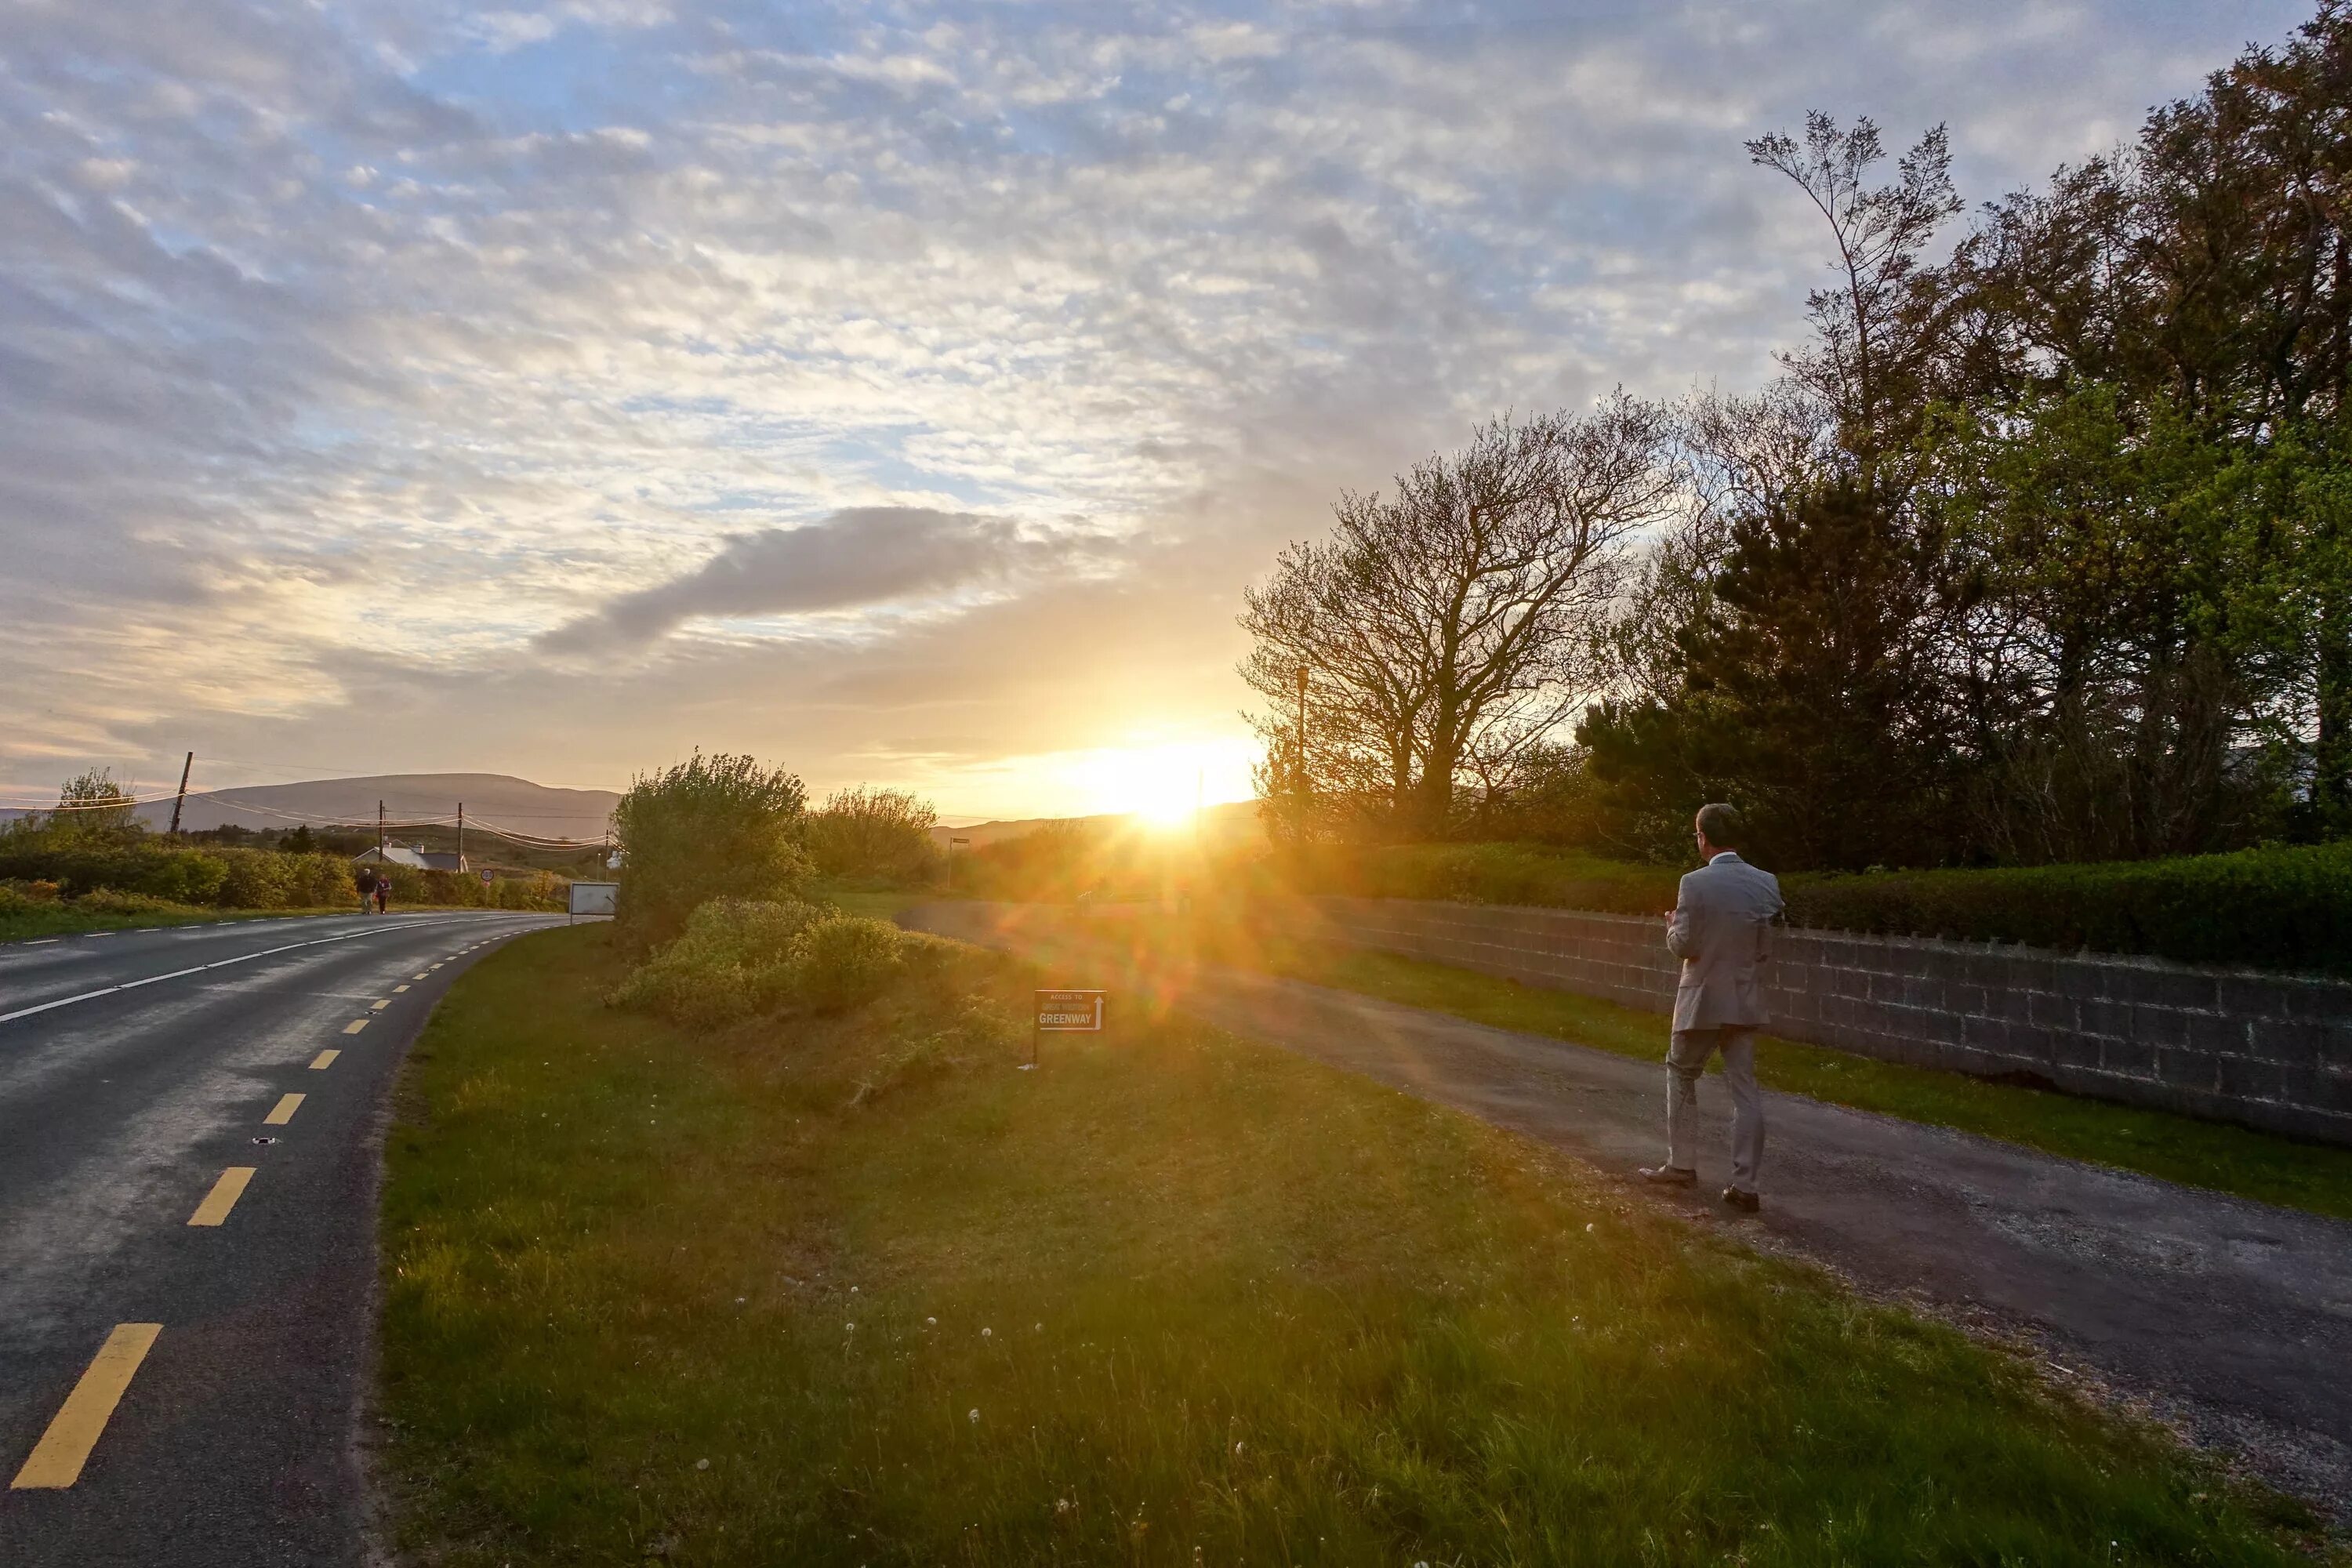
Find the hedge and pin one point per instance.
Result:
(2287, 909)
(2283, 908)
(244, 878)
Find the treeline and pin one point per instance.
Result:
(2038, 553)
(94, 848)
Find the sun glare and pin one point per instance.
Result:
(1161, 784)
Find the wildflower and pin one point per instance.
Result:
(1061, 1505)
(849, 1328)
(1237, 1448)
(973, 1416)
(931, 1322)
(702, 1464)
(986, 1333)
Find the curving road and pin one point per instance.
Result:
(187, 1392)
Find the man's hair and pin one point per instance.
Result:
(1721, 821)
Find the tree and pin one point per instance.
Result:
(300, 841)
(93, 808)
(1877, 334)
(882, 834)
(707, 828)
(1448, 626)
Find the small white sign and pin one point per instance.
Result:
(593, 898)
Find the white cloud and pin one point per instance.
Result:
(354, 363)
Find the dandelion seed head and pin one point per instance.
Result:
(973, 1416)
(987, 1334)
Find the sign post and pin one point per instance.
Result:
(1066, 1013)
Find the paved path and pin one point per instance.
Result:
(2232, 1318)
(135, 1069)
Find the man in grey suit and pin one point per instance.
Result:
(1720, 929)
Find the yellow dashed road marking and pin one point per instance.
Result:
(355, 1025)
(324, 1060)
(421, 974)
(283, 1111)
(398, 989)
(64, 1448)
(224, 1195)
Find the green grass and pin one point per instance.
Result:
(2236, 1160)
(1171, 1298)
(64, 919)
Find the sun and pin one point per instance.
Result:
(1161, 784)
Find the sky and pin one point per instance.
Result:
(900, 392)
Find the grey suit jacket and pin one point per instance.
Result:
(1722, 933)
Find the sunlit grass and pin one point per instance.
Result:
(771, 1297)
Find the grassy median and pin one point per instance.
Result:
(857, 1289)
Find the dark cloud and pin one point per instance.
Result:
(858, 557)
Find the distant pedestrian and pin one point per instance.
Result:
(1720, 928)
(383, 893)
(367, 887)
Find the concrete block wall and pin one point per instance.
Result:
(2265, 1050)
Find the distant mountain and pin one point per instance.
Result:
(1220, 824)
(491, 800)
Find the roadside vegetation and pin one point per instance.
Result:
(91, 865)
(1159, 951)
(838, 1283)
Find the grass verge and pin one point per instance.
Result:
(2315, 1177)
(64, 919)
(855, 1290)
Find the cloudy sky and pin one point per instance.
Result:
(902, 391)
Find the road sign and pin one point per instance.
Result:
(593, 898)
(1070, 1012)
(486, 879)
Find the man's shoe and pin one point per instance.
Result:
(1668, 1176)
(1744, 1201)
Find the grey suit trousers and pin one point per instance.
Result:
(1685, 1060)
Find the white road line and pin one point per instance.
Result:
(198, 969)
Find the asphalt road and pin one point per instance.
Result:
(136, 1069)
(2232, 1319)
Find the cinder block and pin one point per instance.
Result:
(2189, 1069)
(2218, 1032)
(2316, 1000)
(2127, 1058)
(2183, 988)
(2069, 1048)
(2250, 997)
(2052, 1010)
(2155, 1025)
(2244, 1079)
(2287, 1042)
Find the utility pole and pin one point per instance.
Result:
(182, 798)
(379, 833)
(461, 835)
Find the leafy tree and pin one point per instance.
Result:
(715, 826)
(882, 834)
(93, 809)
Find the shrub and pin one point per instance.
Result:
(256, 879)
(841, 961)
(2273, 909)
(735, 958)
(874, 835)
(107, 901)
(2288, 908)
(708, 827)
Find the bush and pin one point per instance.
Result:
(107, 901)
(2286, 909)
(843, 961)
(874, 836)
(735, 958)
(710, 827)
